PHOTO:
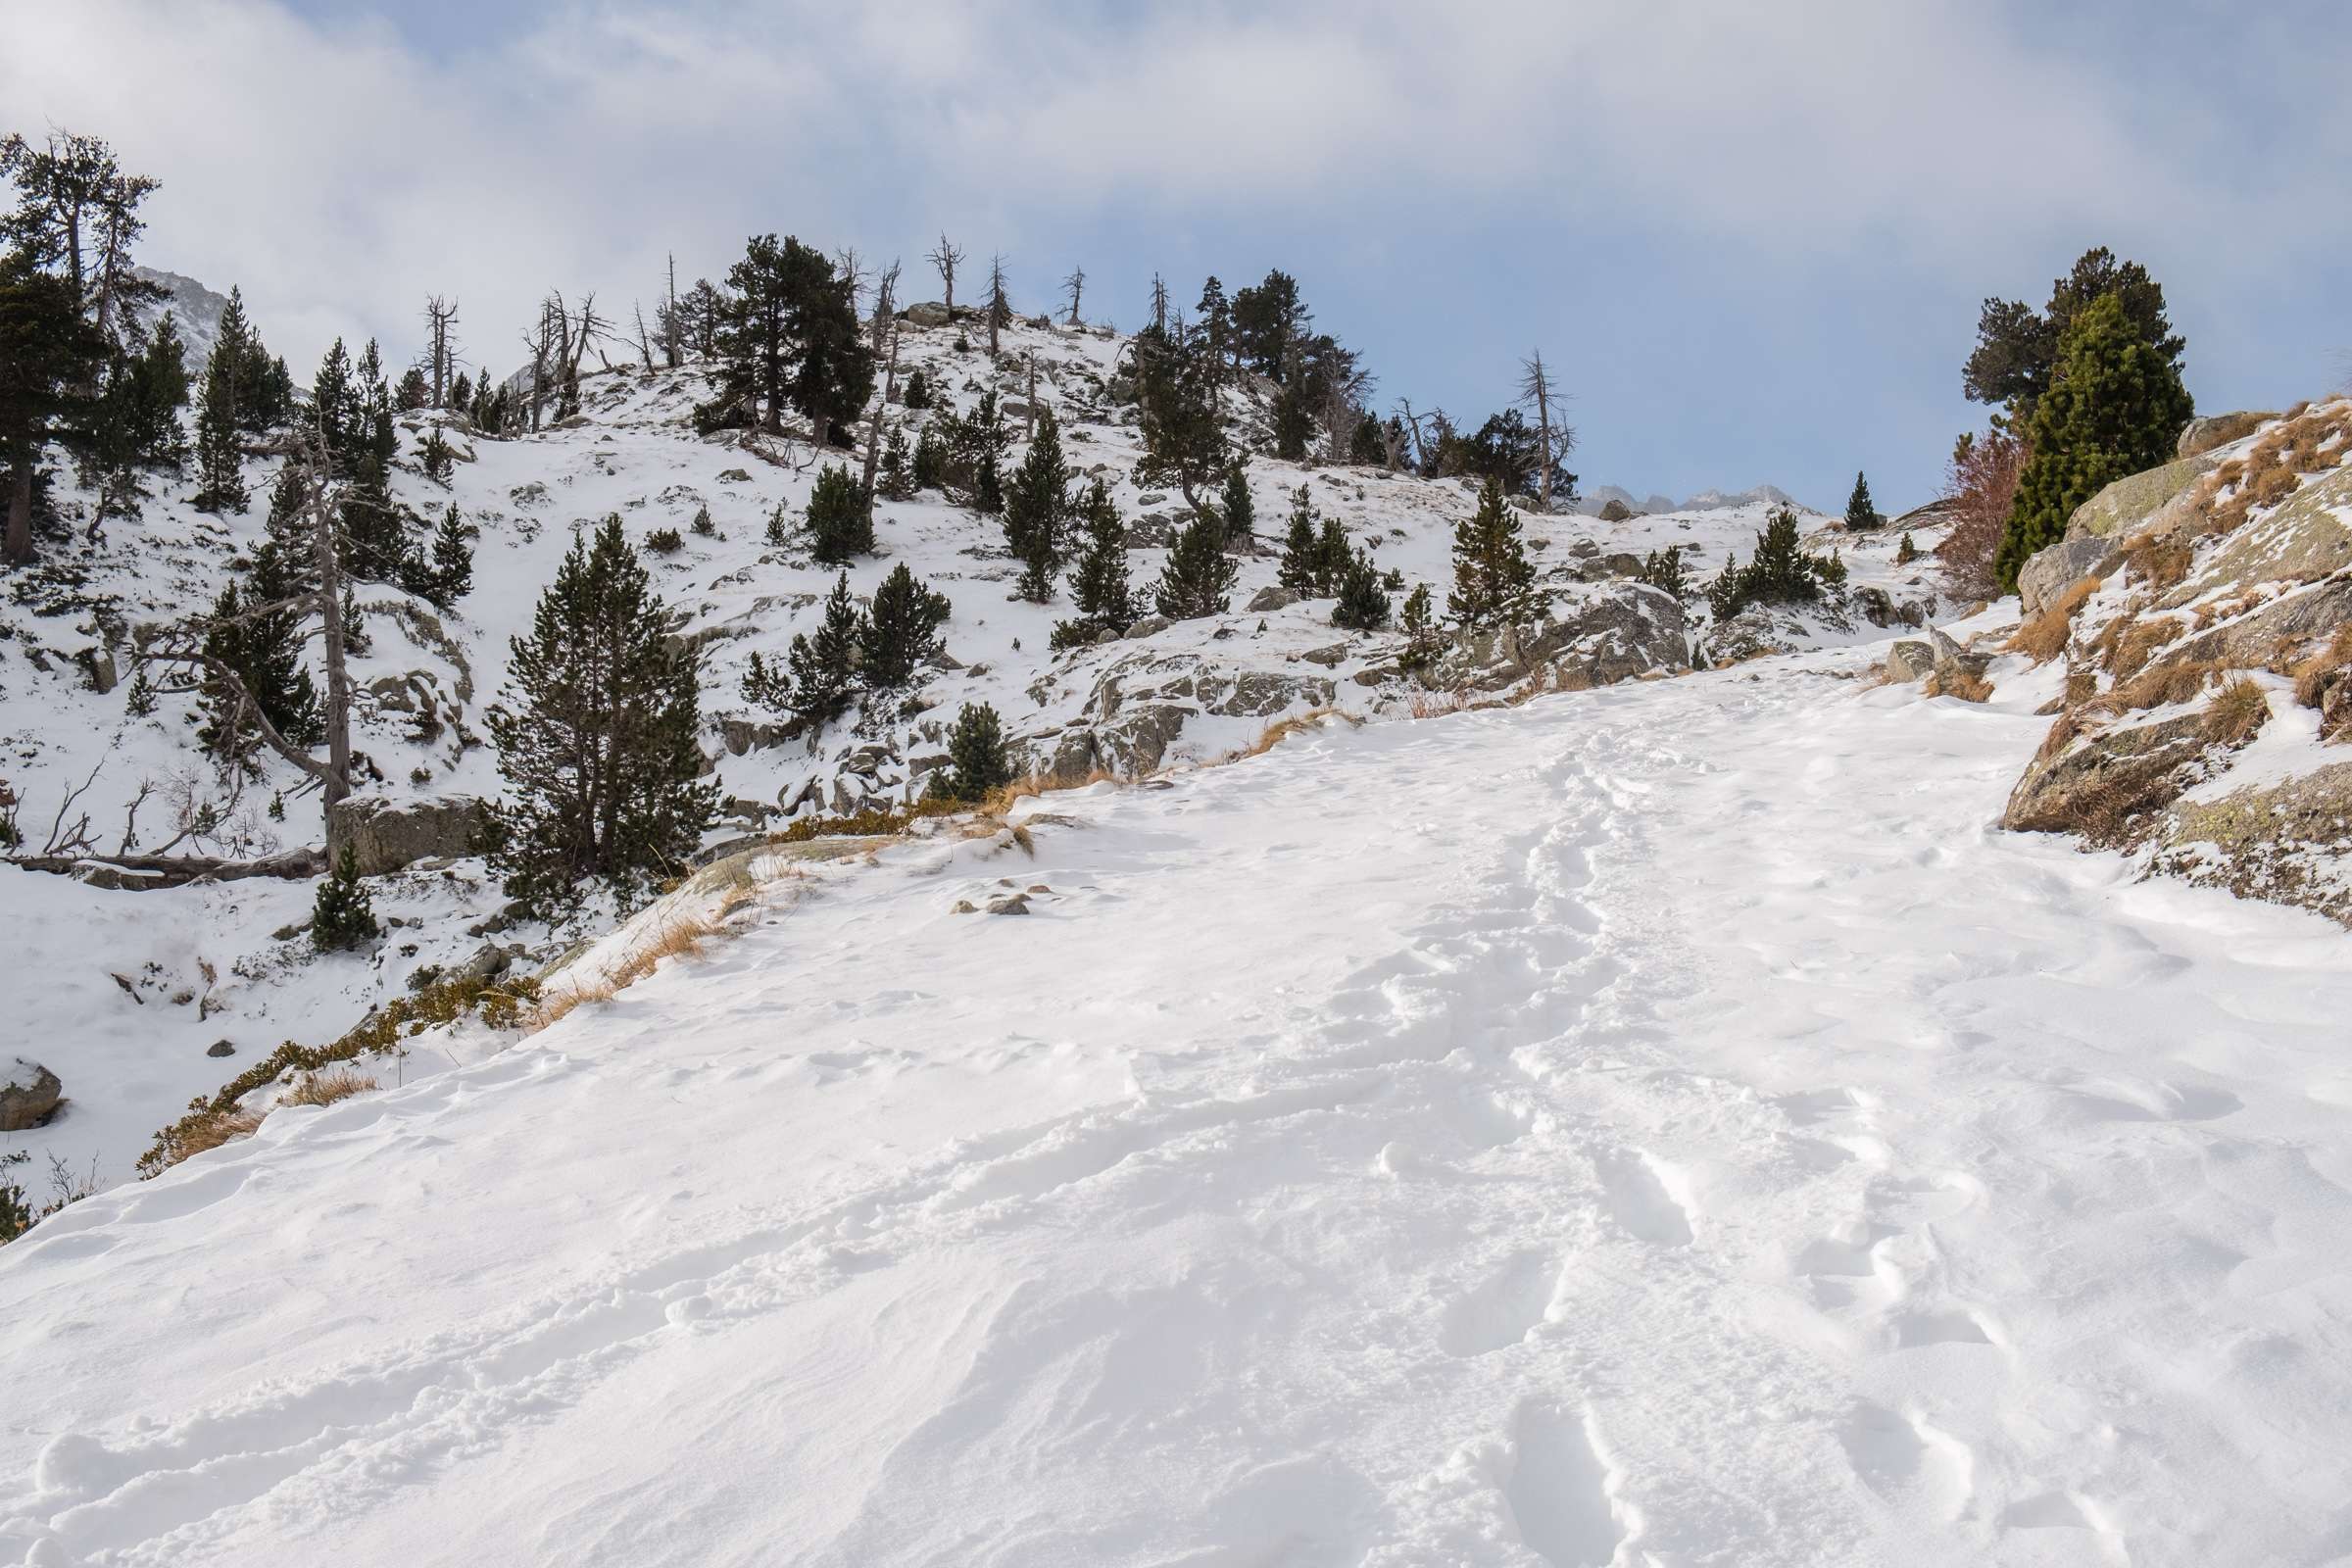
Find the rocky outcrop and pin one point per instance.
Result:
(30, 1093)
(2203, 435)
(2284, 842)
(385, 834)
(1575, 636)
(2103, 785)
(929, 312)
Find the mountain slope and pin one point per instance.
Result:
(1670, 1124)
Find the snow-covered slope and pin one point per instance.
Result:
(1666, 1124)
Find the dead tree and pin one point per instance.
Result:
(886, 305)
(946, 259)
(1074, 286)
(1029, 418)
(1342, 403)
(873, 434)
(645, 346)
(1160, 303)
(441, 350)
(1535, 391)
(671, 328)
(999, 308)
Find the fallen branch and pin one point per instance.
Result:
(141, 873)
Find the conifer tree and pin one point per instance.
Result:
(1239, 510)
(1492, 575)
(1294, 421)
(918, 390)
(930, 460)
(1183, 427)
(1036, 502)
(1781, 572)
(789, 337)
(597, 734)
(1860, 513)
(1364, 606)
(1332, 556)
(342, 916)
(895, 481)
(2115, 407)
(258, 635)
(450, 573)
(978, 761)
(48, 355)
(1199, 575)
(435, 455)
(902, 630)
(1302, 568)
(1663, 570)
(1420, 623)
(824, 670)
(1905, 551)
(841, 525)
(219, 455)
(1098, 586)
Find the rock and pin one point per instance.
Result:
(1877, 605)
(930, 313)
(1148, 626)
(1270, 599)
(2101, 784)
(1154, 499)
(1106, 636)
(385, 835)
(734, 477)
(221, 1048)
(488, 962)
(1009, 904)
(1577, 636)
(1604, 568)
(29, 1094)
(2130, 504)
(2051, 571)
(2273, 841)
(2202, 435)
(1377, 674)
(963, 906)
(1330, 658)
(98, 668)
(1909, 661)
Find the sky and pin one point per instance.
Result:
(1751, 240)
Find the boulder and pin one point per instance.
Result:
(2132, 503)
(1578, 636)
(2102, 785)
(1330, 658)
(385, 834)
(221, 1047)
(930, 313)
(2278, 841)
(1910, 661)
(2202, 435)
(2051, 571)
(1604, 568)
(29, 1094)
(1148, 626)
(1270, 599)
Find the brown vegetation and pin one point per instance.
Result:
(2240, 708)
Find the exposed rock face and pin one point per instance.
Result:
(1266, 600)
(1575, 636)
(385, 835)
(930, 313)
(29, 1094)
(1909, 661)
(2220, 572)
(1141, 704)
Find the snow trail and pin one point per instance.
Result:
(1666, 1124)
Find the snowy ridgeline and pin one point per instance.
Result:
(1654, 1125)
(139, 988)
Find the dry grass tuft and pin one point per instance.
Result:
(2160, 686)
(325, 1088)
(1282, 729)
(2161, 563)
(1959, 682)
(209, 1130)
(2315, 674)
(676, 936)
(2240, 708)
(2063, 731)
(2132, 645)
(2045, 636)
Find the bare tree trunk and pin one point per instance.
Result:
(19, 550)
(336, 784)
(873, 434)
(1029, 424)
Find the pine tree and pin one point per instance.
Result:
(1492, 575)
(895, 481)
(343, 916)
(451, 574)
(2116, 408)
(435, 455)
(779, 528)
(1905, 551)
(1781, 572)
(930, 460)
(789, 337)
(1663, 570)
(1362, 603)
(1199, 575)
(1098, 586)
(1860, 513)
(220, 458)
(1293, 422)
(978, 761)
(824, 670)
(902, 630)
(1302, 568)
(460, 393)
(263, 645)
(1420, 623)
(1239, 510)
(597, 734)
(139, 700)
(1036, 502)
(918, 390)
(1331, 557)
(841, 525)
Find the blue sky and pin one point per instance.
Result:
(1750, 239)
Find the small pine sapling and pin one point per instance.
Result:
(343, 916)
(978, 763)
(1199, 575)
(841, 525)
(1364, 605)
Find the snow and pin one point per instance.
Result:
(1661, 1125)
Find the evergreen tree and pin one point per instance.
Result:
(978, 761)
(1239, 510)
(1420, 621)
(413, 391)
(1663, 570)
(840, 524)
(902, 630)
(2116, 408)
(451, 576)
(1905, 551)
(930, 460)
(1492, 575)
(1302, 568)
(896, 480)
(1860, 513)
(1035, 505)
(258, 635)
(918, 390)
(1213, 318)
(1364, 606)
(790, 338)
(824, 670)
(219, 455)
(48, 356)
(2018, 349)
(1331, 557)
(1781, 572)
(336, 403)
(1177, 377)
(1294, 421)
(597, 735)
(343, 915)
(1099, 587)
(461, 394)
(1199, 575)
(435, 455)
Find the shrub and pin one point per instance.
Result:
(918, 389)
(1663, 570)
(1906, 552)
(840, 523)
(702, 523)
(665, 541)
(1781, 571)
(2238, 710)
(325, 1088)
(1364, 606)
(978, 763)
